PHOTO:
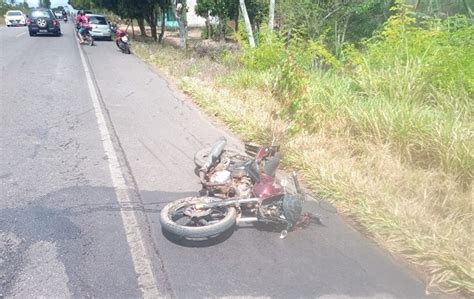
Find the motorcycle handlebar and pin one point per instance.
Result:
(216, 151)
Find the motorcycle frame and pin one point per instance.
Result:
(262, 153)
(236, 202)
(228, 202)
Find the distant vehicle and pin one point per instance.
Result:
(15, 18)
(58, 14)
(100, 27)
(42, 20)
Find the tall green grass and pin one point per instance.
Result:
(428, 127)
(410, 86)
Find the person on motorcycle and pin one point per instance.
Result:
(77, 18)
(64, 15)
(83, 25)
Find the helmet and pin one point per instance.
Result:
(292, 208)
(81, 12)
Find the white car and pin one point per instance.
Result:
(58, 14)
(15, 18)
(100, 27)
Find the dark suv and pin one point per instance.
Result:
(41, 20)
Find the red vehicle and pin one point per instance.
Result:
(121, 39)
(235, 192)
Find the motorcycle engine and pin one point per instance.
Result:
(271, 211)
(220, 177)
(241, 186)
(244, 187)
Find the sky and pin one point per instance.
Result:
(54, 3)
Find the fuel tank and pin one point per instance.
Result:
(266, 187)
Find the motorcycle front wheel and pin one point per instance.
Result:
(90, 40)
(200, 157)
(184, 218)
(126, 49)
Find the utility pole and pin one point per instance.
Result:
(271, 15)
(248, 26)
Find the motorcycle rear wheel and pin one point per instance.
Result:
(200, 157)
(175, 219)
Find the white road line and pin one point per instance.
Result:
(20, 34)
(141, 261)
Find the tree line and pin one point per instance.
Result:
(333, 22)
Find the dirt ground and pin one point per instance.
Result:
(170, 37)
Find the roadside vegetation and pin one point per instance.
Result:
(372, 102)
(23, 6)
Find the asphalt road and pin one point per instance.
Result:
(84, 175)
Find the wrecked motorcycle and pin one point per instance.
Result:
(236, 192)
(228, 155)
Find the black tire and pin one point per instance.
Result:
(169, 224)
(200, 157)
(126, 49)
(90, 40)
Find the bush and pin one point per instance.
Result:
(445, 50)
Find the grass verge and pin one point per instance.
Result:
(423, 213)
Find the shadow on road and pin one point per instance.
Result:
(85, 225)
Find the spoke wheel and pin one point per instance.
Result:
(185, 218)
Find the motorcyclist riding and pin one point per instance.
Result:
(83, 23)
(77, 18)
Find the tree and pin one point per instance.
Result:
(332, 22)
(180, 10)
(248, 26)
(164, 6)
(271, 15)
(203, 9)
(126, 9)
(133, 9)
(45, 3)
(468, 9)
(79, 4)
(215, 8)
(150, 12)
